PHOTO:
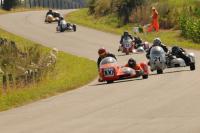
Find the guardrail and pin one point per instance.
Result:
(54, 4)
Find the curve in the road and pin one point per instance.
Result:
(161, 104)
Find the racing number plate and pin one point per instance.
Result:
(157, 59)
(109, 72)
(127, 45)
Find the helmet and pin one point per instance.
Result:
(157, 42)
(61, 18)
(50, 10)
(102, 51)
(131, 62)
(175, 49)
(126, 33)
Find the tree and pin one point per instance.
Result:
(9, 4)
(126, 7)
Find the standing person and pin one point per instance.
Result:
(154, 23)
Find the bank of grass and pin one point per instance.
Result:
(109, 24)
(70, 72)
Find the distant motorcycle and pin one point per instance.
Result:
(159, 60)
(63, 26)
(127, 46)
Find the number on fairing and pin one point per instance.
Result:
(108, 72)
(156, 59)
(127, 45)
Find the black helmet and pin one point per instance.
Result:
(157, 42)
(126, 33)
(50, 10)
(175, 49)
(61, 18)
(131, 62)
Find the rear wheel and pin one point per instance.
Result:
(145, 76)
(192, 66)
(74, 27)
(109, 81)
(159, 71)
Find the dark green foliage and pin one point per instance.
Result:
(190, 23)
(123, 8)
(9, 4)
(190, 28)
(126, 7)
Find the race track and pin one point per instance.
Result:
(167, 103)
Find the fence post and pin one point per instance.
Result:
(30, 4)
(25, 3)
(57, 4)
(43, 3)
(34, 3)
(4, 82)
(53, 3)
(11, 81)
(38, 3)
(48, 3)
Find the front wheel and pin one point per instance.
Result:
(145, 76)
(159, 71)
(192, 66)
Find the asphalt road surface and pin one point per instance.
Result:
(166, 103)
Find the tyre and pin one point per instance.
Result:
(74, 28)
(192, 66)
(62, 30)
(145, 76)
(159, 71)
(109, 81)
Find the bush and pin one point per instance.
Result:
(21, 68)
(190, 28)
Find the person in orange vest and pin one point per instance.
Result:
(154, 23)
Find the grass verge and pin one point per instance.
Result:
(70, 72)
(109, 24)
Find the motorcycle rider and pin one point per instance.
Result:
(157, 42)
(50, 12)
(54, 14)
(103, 54)
(180, 53)
(133, 64)
(138, 42)
(126, 35)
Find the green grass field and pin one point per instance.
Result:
(70, 72)
(109, 24)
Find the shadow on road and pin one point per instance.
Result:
(171, 72)
(118, 81)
